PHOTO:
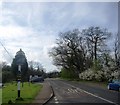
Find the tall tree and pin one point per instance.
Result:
(117, 56)
(70, 52)
(96, 38)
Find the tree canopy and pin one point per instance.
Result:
(79, 50)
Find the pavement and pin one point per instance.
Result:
(44, 95)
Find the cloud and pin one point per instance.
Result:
(34, 44)
(34, 26)
(60, 0)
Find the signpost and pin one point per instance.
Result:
(30, 78)
(19, 80)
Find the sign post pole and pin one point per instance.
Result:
(19, 79)
(19, 82)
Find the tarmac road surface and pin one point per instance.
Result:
(70, 93)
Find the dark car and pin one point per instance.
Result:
(37, 79)
(114, 85)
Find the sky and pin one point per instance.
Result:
(34, 26)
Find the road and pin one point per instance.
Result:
(68, 92)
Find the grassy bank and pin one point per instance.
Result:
(28, 92)
(95, 83)
(91, 83)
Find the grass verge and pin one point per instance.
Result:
(91, 83)
(95, 83)
(0, 96)
(28, 92)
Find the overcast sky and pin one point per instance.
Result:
(35, 26)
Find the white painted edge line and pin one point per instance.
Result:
(92, 94)
(51, 95)
(99, 97)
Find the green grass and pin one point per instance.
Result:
(95, 83)
(0, 96)
(28, 93)
(91, 83)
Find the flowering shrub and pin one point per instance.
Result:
(87, 75)
(100, 75)
(115, 74)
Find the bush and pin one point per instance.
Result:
(87, 75)
(68, 74)
(7, 76)
(116, 74)
(101, 75)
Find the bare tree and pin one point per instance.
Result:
(70, 51)
(96, 38)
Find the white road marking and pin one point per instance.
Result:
(71, 90)
(56, 102)
(91, 94)
(51, 95)
(55, 99)
(68, 89)
(76, 91)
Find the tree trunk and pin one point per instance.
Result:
(95, 49)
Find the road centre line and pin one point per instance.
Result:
(91, 94)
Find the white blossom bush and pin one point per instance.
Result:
(115, 74)
(100, 75)
(107, 73)
(87, 75)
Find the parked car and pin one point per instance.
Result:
(114, 85)
(37, 79)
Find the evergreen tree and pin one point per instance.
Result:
(20, 59)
